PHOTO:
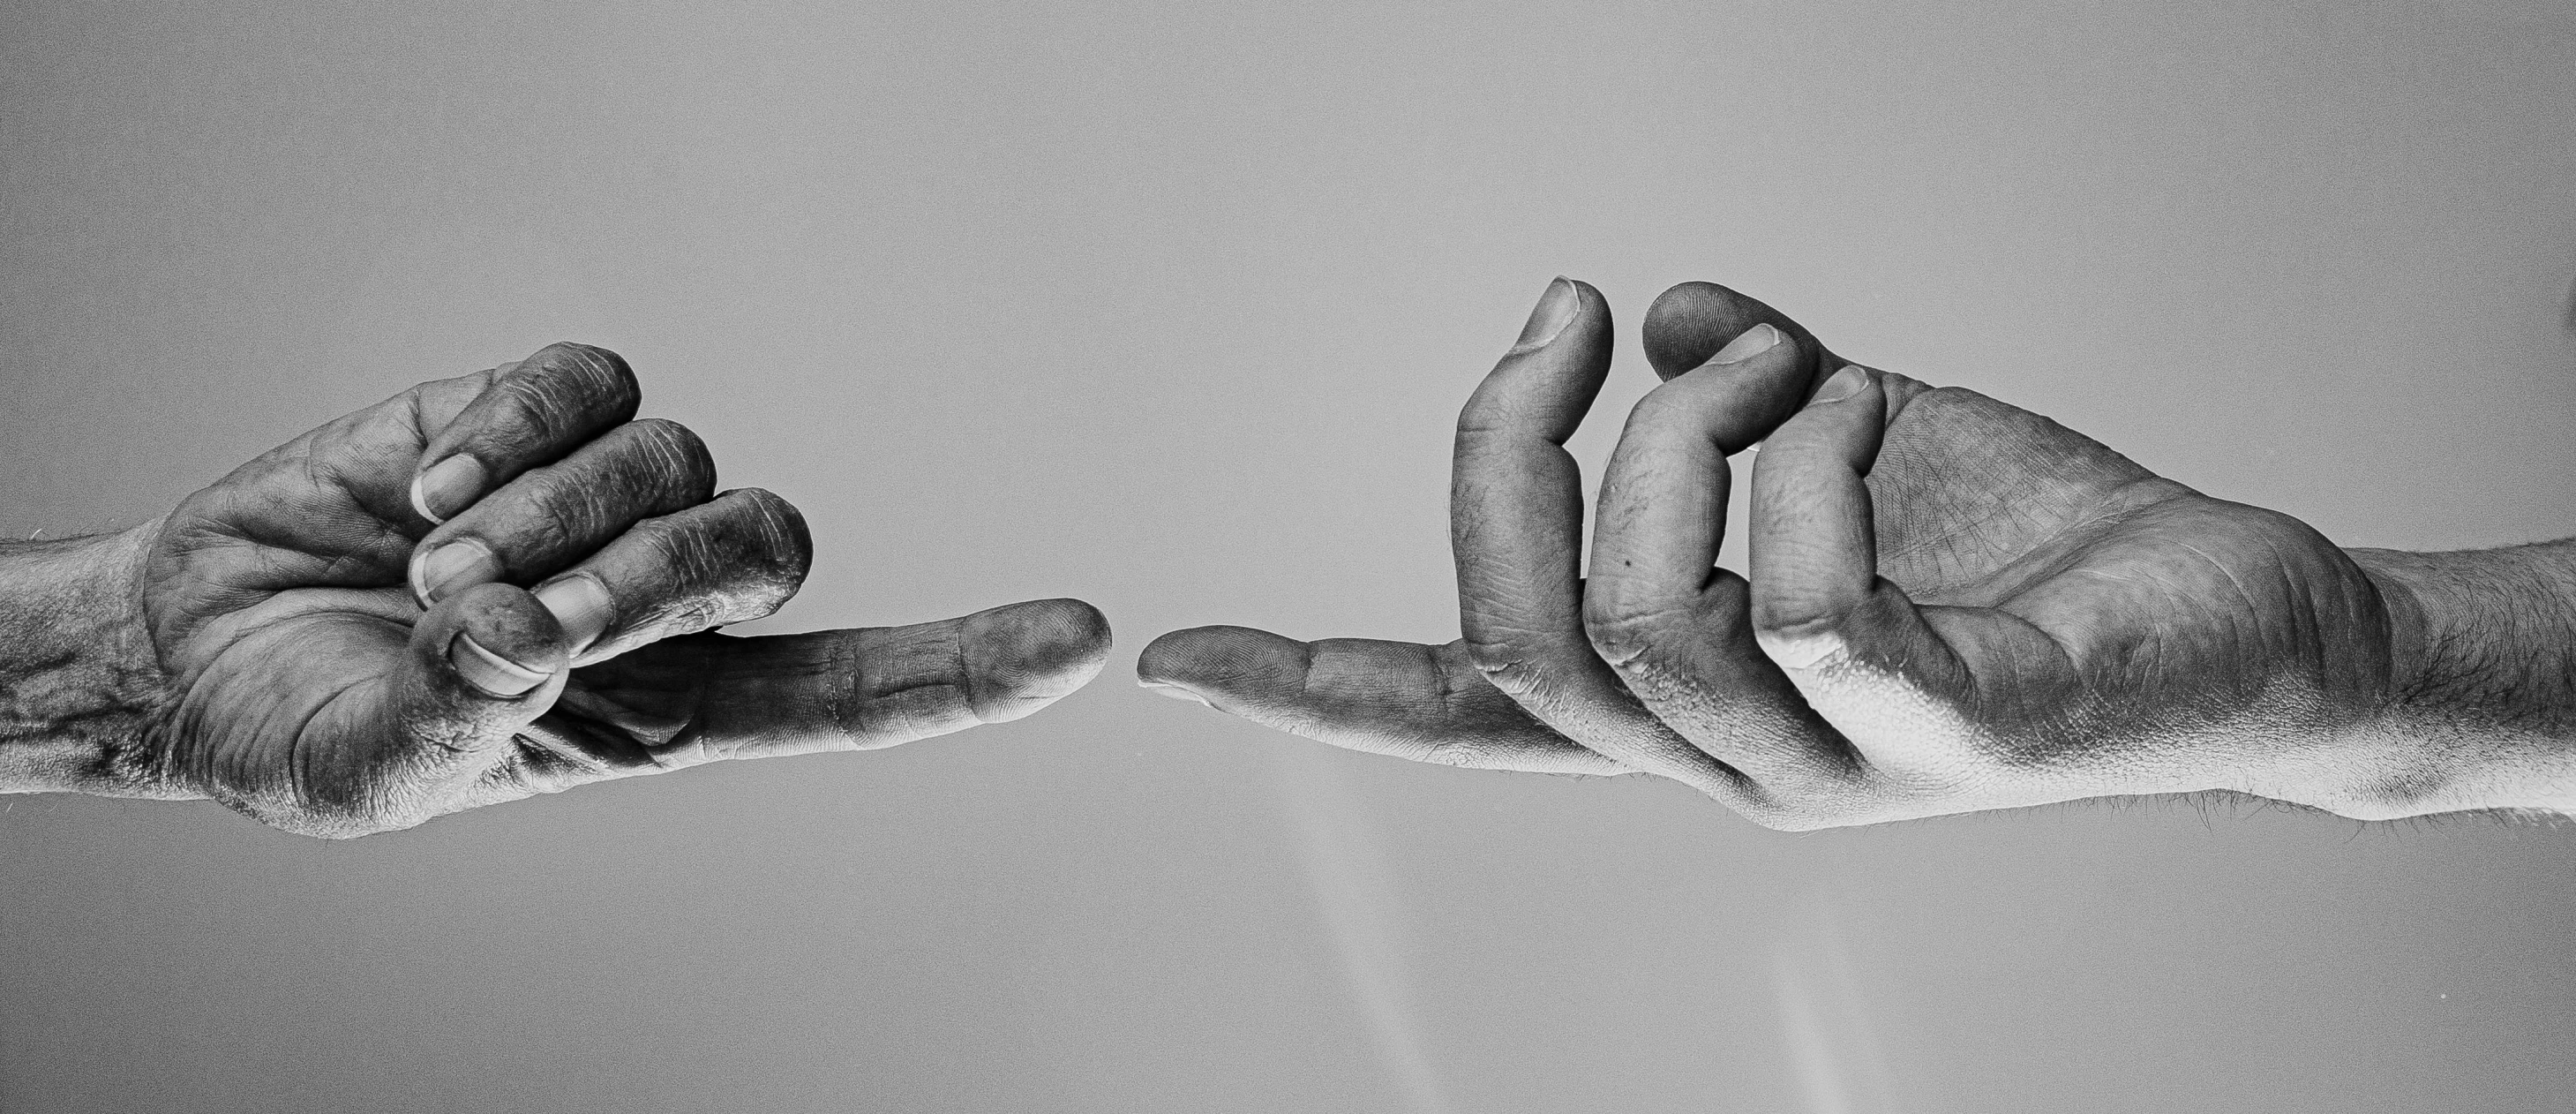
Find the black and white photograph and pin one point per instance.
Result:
(1139, 557)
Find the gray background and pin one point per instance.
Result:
(1168, 306)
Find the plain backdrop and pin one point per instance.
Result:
(1169, 306)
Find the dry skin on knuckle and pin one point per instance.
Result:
(552, 395)
(1507, 664)
(603, 372)
(557, 514)
(1461, 753)
(674, 455)
(1625, 633)
(533, 415)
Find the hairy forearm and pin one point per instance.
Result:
(80, 685)
(2484, 702)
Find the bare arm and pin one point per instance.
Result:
(2484, 712)
(79, 683)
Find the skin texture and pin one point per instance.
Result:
(291, 642)
(1952, 604)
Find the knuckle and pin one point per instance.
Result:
(1791, 816)
(564, 383)
(674, 454)
(603, 368)
(533, 412)
(1461, 753)
(1507, 665)
(332, 816)
(678, 443)
(1663, 411)
(558, 517)
(1809, 801)
(1623, 637)
(670, 542)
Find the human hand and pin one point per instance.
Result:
(334, 661)
(1954, 604)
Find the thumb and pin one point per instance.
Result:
(483, 663)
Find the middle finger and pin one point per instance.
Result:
(550, 517)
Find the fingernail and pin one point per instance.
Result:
(447, 487)
(1802, 651)
(1176, 692)
(581, 604)
(1843, 385)
(1555, 311)
(493, 674)
(1747, 344)
(451, 567)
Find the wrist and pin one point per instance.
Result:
(81, 686)
(2479, 711)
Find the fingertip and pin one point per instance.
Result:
(500, 641)
(1689, 324)
(1222, 659)
(791, 540)
(1024, 656)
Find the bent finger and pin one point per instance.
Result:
(1657, 609)
(734, 559)
(1404, 699)
(1516, 531)
(537, 412)
(551, 516)
(1663, 498)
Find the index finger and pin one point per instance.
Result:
(874, 687)
(704, 697)
(532, 414)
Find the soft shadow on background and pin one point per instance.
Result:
(1169, 306)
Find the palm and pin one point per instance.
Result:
(2157, 595)
(277, 600)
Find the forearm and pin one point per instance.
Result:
(80, 685)
(2482, 711)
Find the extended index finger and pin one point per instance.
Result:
(704, 697)
(878, 687)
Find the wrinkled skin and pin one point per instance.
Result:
(1953, 604)
(310, 688)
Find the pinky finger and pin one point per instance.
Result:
(1402, 699)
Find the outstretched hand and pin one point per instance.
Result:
(1952, 604)
(502, 584)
